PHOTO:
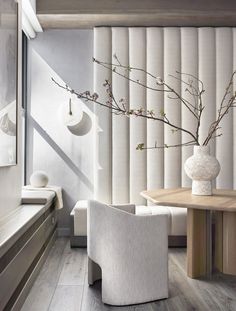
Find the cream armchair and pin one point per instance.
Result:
(129, 252)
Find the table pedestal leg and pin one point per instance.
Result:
(199, 244)
(218, 241)
(229, 243)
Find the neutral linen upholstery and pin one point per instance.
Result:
(177, 220)
(224, 65)
(103, 139)
(189, 63)
(80, 218)
(176, 217)
(234, 112)
(58, 201)
(36, 197)
(172, 156)
(120, 126)
(131, 251)
(208, 53)
(155, 101)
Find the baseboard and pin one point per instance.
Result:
(173, 241)
(63, 232)
(78, 241)
(177, 240)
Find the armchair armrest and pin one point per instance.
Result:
(131, 250)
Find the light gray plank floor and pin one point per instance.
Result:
(62, 286)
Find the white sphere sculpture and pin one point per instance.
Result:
(39, 179)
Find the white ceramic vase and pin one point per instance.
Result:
(202, 168)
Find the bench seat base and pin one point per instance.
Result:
(177, 218)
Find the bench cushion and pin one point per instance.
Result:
(143, 210)
(177, 217)
(80, 218)
(178, 221)
(37, 197)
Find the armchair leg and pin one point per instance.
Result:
(94, 272)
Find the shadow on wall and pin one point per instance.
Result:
(60, 152)
(69, 54)
(66, 154)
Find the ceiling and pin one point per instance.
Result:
(90, 13)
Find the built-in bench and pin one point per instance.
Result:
(177, 223)
(25, 238)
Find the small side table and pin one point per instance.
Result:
(199, 239)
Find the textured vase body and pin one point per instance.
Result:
(202, 168)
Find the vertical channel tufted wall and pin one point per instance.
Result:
(103, 139)
(208, 53)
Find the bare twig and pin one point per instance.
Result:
(118, 107)
(222, 111)
(112, 66)
(138, 112)
(141, 146)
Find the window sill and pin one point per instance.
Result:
(18, 222)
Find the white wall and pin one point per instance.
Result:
(65, 55)
(33, 3)
(11, 177)
(10, 187)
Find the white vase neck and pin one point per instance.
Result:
(201, 150)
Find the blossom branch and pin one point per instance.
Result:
(160, 82)
(120, 107)
(223, 110)
(123, 110)
(141, 146)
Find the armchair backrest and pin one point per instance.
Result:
(112, 229)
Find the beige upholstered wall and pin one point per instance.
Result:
(209, 53)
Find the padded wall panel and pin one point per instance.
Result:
(224, 70)
(172, 107)
(209, 53)
(189, 64)
(120, 124)
(155, 100)
(207, 73)
(138, 164)
(103, 136)
(234, 111)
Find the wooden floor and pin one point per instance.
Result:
(62, 285)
